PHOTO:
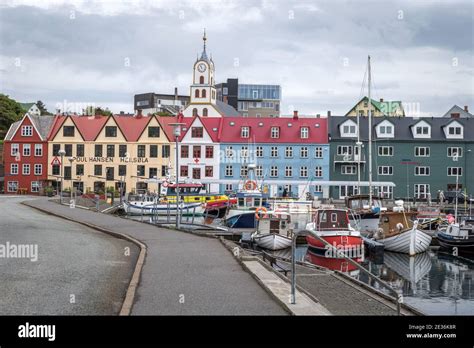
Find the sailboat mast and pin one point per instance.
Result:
(370, 136)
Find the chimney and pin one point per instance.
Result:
(295, 114)
(139, 113)
(466, 108)
(318, 115)
(381, 100)
(175, 95)
(329, 113)
(122, 112)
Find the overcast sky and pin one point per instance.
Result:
(104, 52)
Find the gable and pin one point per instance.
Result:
(452, 128)
(418, 130)
(152, 122)
(102, 136)
(345, 129)
(206, 138)
(385, 129)
(26, 121)
(59, 135)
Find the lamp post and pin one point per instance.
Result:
(71, 159)
(177, 134)
(61, 153)
(455, 159)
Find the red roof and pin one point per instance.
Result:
(132, 127)
(260, 130)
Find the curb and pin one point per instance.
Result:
(135, 280)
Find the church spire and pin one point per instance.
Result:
(204, 53)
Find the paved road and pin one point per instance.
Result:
(184, 274)
(72, 260)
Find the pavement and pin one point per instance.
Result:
(79, 270)
(183, 274)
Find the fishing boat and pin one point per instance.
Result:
(399, 232)
(457, 235)
(363, 213)
(292, 206)
(274, 230)
(332, 225)
(148, 204)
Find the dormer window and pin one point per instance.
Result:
(454, 130)
(244, 132)
(421, 130)
(275, 132)
(348, 129)
(385, 129)
(304, 132)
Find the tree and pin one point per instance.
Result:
(97, 111)
(10, 111)
(42, 108)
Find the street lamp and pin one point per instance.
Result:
(61, 153)
(177, 134)
(71, 159)
(455, 159)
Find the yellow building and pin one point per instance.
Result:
(102, 151)
(379, 108)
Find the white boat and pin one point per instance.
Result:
(152, 205)
(273, 231)
(292, 206)
(399, 233)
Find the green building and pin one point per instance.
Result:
(420, 156)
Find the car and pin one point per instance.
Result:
(450, 196)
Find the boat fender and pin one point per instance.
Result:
(376, 209)
(399, 226)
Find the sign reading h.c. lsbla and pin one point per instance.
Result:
(56, 161)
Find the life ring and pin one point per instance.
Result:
(250, 185)
(258, 210)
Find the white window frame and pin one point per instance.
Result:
(273, 171)
(383, 128)
(454, 149)
(244, 170)
(418, 193)
(422, 171)
(259, 151)
(304, 152)
(14, 171)
(341, 148)
(318, 188)
(304, 172)
(450, 171)
(348, 129)
(289, 152)
(9, 186)
(288, 171)
(318, 172)
(259, 171)
(229, 152)
(304, 132)
(418, 152)
(244, 152)
(382, 148)
(229, 187)
(27, 131)
(35, 186)
(15, 149)
(274, 151)
(229, 170)
(38, 150)
(245, 132)
(38, 169)
(345, 169)
(318, 152)
(275, 132)
(454, 125)
(26, 169)
(381, 170)
(26, 147)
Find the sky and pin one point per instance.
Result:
(75, 53)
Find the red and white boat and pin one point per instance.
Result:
(333, 226)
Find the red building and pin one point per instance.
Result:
(25, 154)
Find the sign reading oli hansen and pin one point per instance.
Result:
(111, 159)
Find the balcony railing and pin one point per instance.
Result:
(349, 158)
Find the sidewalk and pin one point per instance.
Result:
(183, 274)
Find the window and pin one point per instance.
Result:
(348, 170)
(164, 171)
(204, 112)
(244, 132)
(197, 132)
(229, 171)
(275, 132)
(304, 132)
(273, 171)
(454, 171)
(386, 130)
(56, 169)
(319, 152)
(98, 169)
(15, 149)
(56, 148)
(304, 172)
(259, 151)
(289, 152)
(38, 169)
(229, 187)
(455, 130)
(14, 169)
(67, 173)
(304, 152)
(209, 171)
(79, 169)
(68, 150)
(195, 112)
(288, 171)
(385, 170)
(196, 95)
(422, 130)
(244, 152)
(109, 173)
(152, 172)
(110, 150)
(201, 80)
(38, 150)
(98, 150)
(196, 173)
(26, 169)
(385, 150)
(454, 151)
(318, 172)
(184, 171)
(122, 150)
(184, 151)
(110, 131)
(203, 93)
(244, 170)
(26, 149)
(12, 186)
(154, 151)
(35, 186)
(259, 171)
(153, 132)
(274, 151)
(26, 131)
(196, 151)
(229, 152)
(422, 151)
(255, 94)
(349, 129)
(68, 131)
(209, 151)
(80, 150)
(421, 190)
(165, 151)
(386, 192)
(141, 150)
(344, 150)
(140, 170)
(422, 171)
(122, 170)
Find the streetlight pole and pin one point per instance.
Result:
(177, 134)
(455, 159)
(61, 153)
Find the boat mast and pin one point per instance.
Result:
(370, 137)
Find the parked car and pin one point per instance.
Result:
(450, 197)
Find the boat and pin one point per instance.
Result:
(333, 227)
(217, 209)
(363, 215)
(430, 218)
(292, 206)
(399, 232)
(457, 235)
(148, 204)
(274, 230)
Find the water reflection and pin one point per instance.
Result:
(334, 264)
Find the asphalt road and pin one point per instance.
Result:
(79, 271)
